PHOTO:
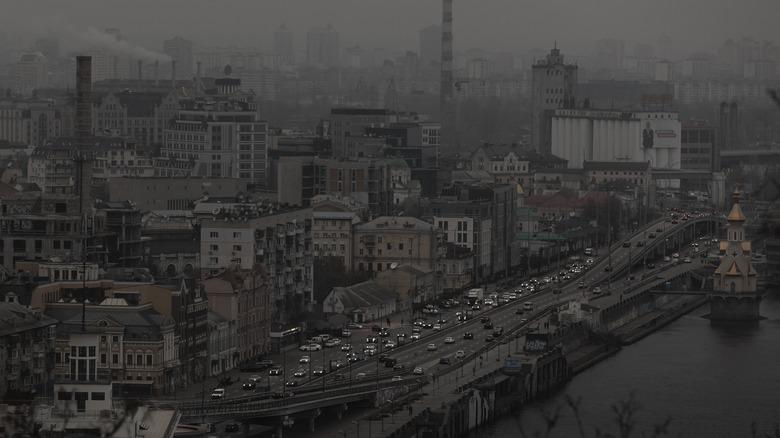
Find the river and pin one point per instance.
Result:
(709, 381)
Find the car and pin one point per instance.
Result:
(651, 266)
(415, 336)
(249, 385)
(687, 260)
(444, 361)
(384, 334)
(596, 290)
(360, 376)
(419, 322)
(390, 362)
(304, 359)
(399, 366)
(428, 325)
(519, 311)
(376, 328)
(489, 338)
(318, 372)
(659, 230)
(329, 343)
(651, 235)
(231, 427)
(346, 333)
(346, 347)
(372, 340)
(449, 340)
(300, 372)
(266, 363)
(431, 347)
(336, 342)
(498, 331)
(626, 244)
(608, 268)
(339, 377)
(418, 371)
(484, 319)
(218, 393)
(354, 326)
(676, 255)
(311, 347)
(275, 371)
(337, 364)
(291, 383)
(583, 285)
(557, 290)
(476, 307)
(460, 354)
(396, 378)
(640, 244)
(442, 321)
(667, 259)
(382, 357)
(390, 344)
(437, 327)
(468, 335)
(488, 326)
(352, 358)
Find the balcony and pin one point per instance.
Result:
(12, 376)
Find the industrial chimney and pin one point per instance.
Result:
(198, 88)
(140, 74)
(447, 81)
(83, 153)
(156, 73)
(173, 73)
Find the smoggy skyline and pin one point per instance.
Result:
(492, 25)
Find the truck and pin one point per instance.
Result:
(475, 294)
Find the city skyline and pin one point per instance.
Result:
(511, 26)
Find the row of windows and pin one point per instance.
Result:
(216, 247)
(215, 234)
(695, 151)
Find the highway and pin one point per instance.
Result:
(417, 353)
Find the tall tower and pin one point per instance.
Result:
(735, 297)
(553, 86)
(430, 46)
(83, 153)
(447, 81)
(283, 42)
(180, 52)
(322, 47)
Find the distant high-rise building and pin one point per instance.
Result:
(31, 72)
(663, 48)
(430, 46)
(322, 47)
(180, 51)
(283, 42)
(554, 85)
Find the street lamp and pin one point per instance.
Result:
(357, 425)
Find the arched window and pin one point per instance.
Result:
(733, 287)
(170, 270)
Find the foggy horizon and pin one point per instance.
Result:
(509, 26)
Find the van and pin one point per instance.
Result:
(528, 305)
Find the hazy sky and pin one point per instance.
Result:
(493, 25)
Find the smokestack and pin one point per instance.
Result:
(173, 73)
(156, 73)
(140, 74)
(197, 80)
(83, 130)
(445, 93)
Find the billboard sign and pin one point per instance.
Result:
(660, 133)
(512, 365)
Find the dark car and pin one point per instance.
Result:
(376, 328)
(484, 319)
(468, 335)
(488, 338)
(428, 325)
(371, 340)
(338, 377)
(519, 311)
(292, 383)
(231, 427)
(382, 357)
(626, 244)
(384, 333)
(249, 385)
(640, 244)
(353, 358)
(390, 362)
(488, 325)
(651, 266)
(608, 269)
(399, 366)
(444, 361)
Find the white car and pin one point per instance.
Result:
(311, 347)
(305, 359)
(300, 372)
(390, 344)
(460, 354)
(218, 393)
(360, 376)
(418, 371)
(397, 378)
(596, 290)
(431, 347)
(346, 347)
(437, 327)
(414, 336)
(449, 340)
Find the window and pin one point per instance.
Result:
(129, 360)
(236, 247)
(213, 247)
(98, 396)
(149, 359)
(237, 234)
(114, 338)
(103, 358)
(214, 234)
(62, 395)
(401, 246)
(114, 358)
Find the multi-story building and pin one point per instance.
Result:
(222, 344)
(180, 51)
(116, 157)
(698, 148)
(554, 85)
(215, 139)
(635, 174)
(31, 73)
(322, 47)
(174, 193)
(478, 219)
(367, 181)
(332, 235)
(430, 46)
(274, 236)
(245, 297)
(506, 163)
(140, 115)
(28, 341)
(348, 126)
(32, 121)
(283, 44)
(396, 239)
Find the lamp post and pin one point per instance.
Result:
(357, 425)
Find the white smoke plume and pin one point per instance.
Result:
(91, 38)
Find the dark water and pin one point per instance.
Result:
(709, 381)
